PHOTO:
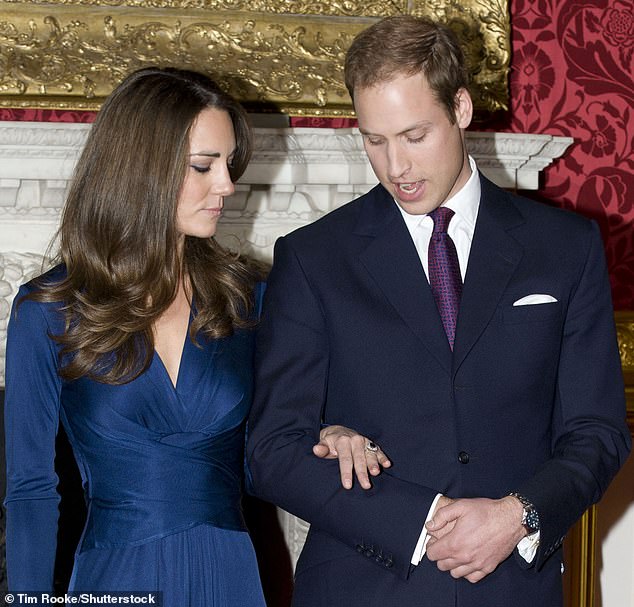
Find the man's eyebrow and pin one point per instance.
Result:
(419, 125)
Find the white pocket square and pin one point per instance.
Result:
(536, 298)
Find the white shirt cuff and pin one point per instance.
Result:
(421, 545)
(527, 547)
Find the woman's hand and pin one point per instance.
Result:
(355, 452)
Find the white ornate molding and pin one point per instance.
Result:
(295, 177)
(295, 531)
(15, 269)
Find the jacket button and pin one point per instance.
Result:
(388, 562)
(463, 457)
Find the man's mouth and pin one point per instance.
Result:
(410, 191)
(408, 187)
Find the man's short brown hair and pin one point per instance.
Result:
(406, 45)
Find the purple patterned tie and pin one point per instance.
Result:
(444, 271)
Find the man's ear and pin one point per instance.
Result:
(464, 108)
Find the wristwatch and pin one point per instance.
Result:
(530, 517)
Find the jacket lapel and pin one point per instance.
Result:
(392, 261)
(493, 259)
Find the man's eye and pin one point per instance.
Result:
(374, 141)
(200, 169)
(416, 139)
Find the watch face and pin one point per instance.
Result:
(532, 519)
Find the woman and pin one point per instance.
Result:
(140, 341)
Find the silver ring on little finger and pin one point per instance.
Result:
(370, 446)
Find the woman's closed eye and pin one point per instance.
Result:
(201, 168)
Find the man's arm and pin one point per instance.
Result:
(590, 437)
(590, 442)
(292, 359)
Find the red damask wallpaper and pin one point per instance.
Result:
(571, 74)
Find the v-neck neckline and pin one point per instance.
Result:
(180, 364)
(175, 384)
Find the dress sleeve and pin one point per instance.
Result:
(32, 401)
(258, 296)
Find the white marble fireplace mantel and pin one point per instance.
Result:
(295, 176)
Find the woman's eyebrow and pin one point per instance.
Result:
(209, 154)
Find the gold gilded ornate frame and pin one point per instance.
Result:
(273, 55)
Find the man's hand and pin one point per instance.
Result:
(355, 452)
(482, 533)
(439, 532)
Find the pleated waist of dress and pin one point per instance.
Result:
(149, 490)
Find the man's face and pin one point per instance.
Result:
(416, 152)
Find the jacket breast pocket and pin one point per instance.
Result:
(535, 313)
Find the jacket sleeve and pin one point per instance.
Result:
(291, 385)
(590, 438)
(31, 422)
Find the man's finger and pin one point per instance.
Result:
(442, 516)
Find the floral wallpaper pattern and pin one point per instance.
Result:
(572, 74)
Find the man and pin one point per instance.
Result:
(481, 356)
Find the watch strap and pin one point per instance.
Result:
(530, 517)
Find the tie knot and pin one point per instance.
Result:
(441, 218)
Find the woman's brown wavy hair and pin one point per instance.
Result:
(118, 236)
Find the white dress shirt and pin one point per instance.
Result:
(465, 204)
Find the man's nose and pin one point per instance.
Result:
(397, 161)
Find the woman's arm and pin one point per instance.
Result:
(31, 421)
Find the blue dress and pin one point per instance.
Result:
(161, 465)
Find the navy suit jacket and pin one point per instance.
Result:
(530, 400)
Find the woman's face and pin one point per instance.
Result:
(212, 144)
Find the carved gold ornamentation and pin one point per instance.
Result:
(348, 8)
(274, 55)
(625, 333)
